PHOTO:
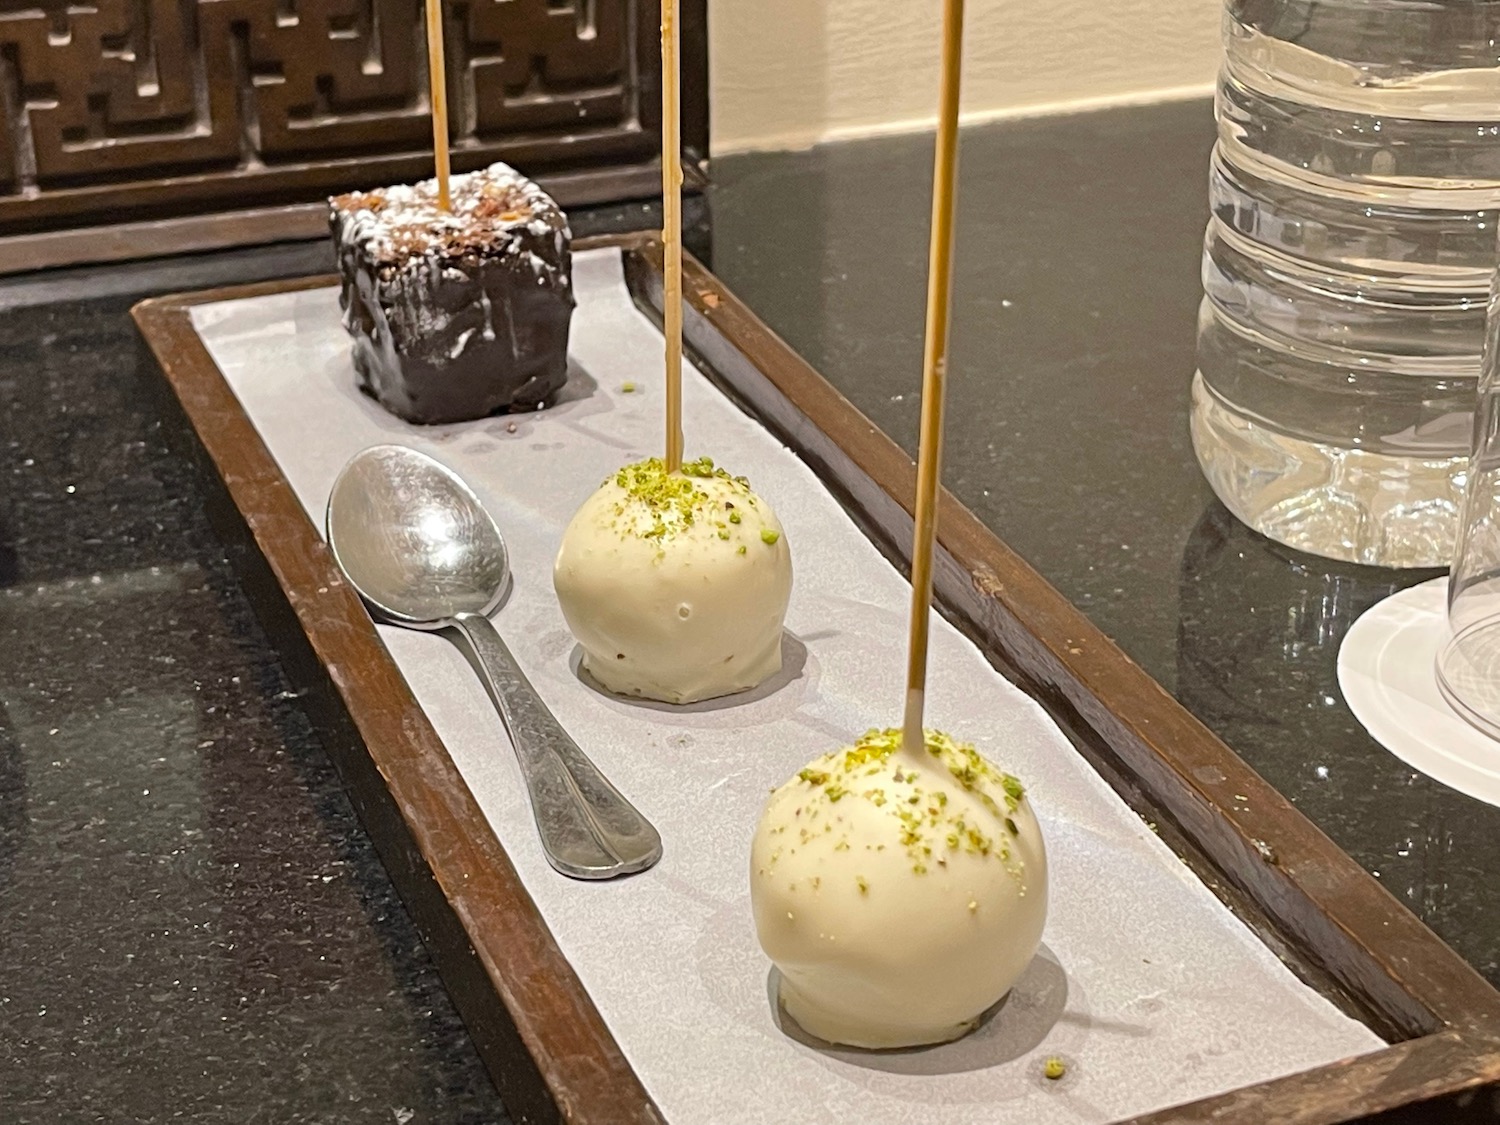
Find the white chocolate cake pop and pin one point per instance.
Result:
(901, 896)
(676, 585)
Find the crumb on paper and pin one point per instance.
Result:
(1054, 1068)
(510, 427)
(628, 388)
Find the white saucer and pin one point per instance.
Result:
(1387, 672)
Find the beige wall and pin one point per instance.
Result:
(790, 73)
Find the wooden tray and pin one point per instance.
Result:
(549, 1050)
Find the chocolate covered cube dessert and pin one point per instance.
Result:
(456, 314)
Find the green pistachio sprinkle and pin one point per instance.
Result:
(1054, 1068)
(734, 517)
(862, 884)
(705, 467)
(671, 501)
(628, 388)
(769, 537)
(723, 534)
(929, 828)
(741, 551)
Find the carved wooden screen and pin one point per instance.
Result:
(122, 109)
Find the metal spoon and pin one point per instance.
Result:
(422, 552)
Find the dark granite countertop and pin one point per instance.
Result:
(193, 924)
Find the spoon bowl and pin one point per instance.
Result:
(414, 539)
(420, 548)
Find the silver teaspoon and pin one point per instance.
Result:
(423, 552)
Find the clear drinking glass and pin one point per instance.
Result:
(1468, 666)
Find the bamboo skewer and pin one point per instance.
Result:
(437, 76)
(934, 376)
(671, 198)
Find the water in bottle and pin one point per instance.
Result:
(1355, 188)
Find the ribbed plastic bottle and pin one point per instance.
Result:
(1354, 190)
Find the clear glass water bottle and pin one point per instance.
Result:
(1355, 188)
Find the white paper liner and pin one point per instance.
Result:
(1147, 986)
(1388, 674)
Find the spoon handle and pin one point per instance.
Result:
(588, 829)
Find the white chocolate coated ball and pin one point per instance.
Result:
(900, 895)
(676, 585)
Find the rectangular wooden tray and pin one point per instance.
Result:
(549, 1050)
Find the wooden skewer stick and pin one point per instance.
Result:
(934, 375)
(671, 235)
(437, 76)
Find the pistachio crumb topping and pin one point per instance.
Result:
(659, 505)
(929, 826)
(769, 537)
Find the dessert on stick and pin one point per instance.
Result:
(675, 576)
(900, 884)
(675, 583)
(456, 313)
(899, 888)
(457, 290)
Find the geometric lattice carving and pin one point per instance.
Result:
(325, 75)
(114, 89)
(535, 63)
(109, 86)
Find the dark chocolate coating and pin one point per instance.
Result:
(450, 336)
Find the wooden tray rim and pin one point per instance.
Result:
(1264, 855)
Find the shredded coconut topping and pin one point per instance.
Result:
(490, 208)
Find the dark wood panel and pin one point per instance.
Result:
(128, 109)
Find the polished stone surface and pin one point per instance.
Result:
(192, 923)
